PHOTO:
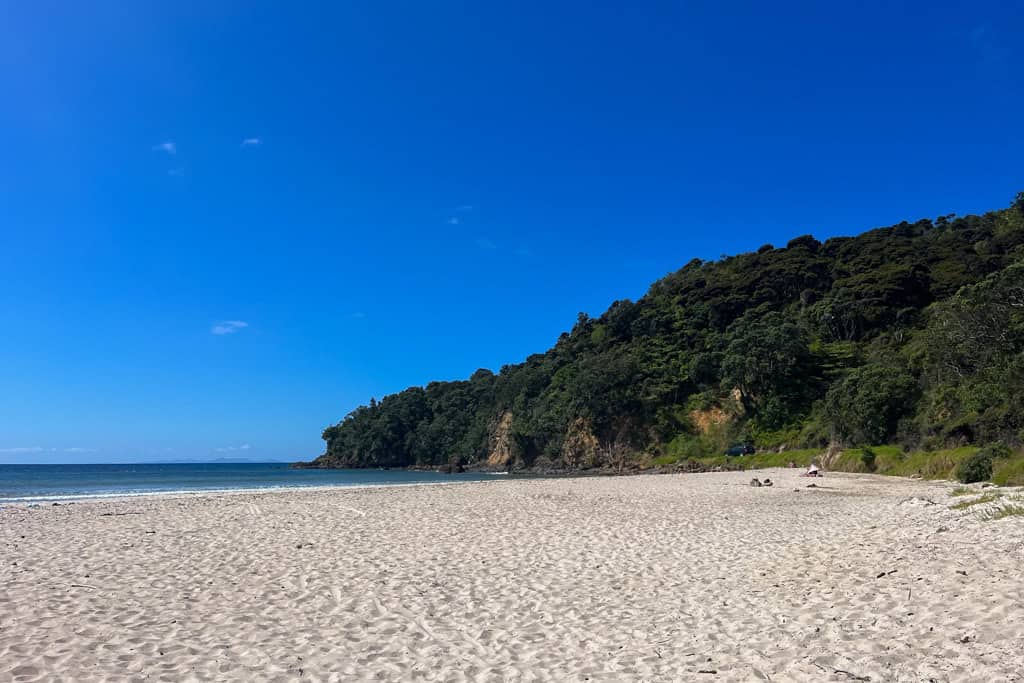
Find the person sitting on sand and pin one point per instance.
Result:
(812, 471)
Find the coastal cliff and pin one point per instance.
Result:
(910, 335)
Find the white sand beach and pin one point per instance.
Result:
(644, 578)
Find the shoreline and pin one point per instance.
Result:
(500, 476)
(59, 500)
(186, 493)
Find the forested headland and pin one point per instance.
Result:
(909, 336)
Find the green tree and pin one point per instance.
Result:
(865, 406)
(766, 358)
(912, 332)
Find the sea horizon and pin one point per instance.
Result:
(56, 482)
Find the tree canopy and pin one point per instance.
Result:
(911, 334)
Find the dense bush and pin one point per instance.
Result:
(975, 467)
(866, 406)
(912, 334)
(867, 458)
(996, 451)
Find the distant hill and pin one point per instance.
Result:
(232, 461)
(911, 334)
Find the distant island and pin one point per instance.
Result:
(904, 339)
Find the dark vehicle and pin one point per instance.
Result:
(742, 449)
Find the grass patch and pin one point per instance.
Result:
(891, 460)
(758, 461)
(1008, 472)
(687, 446)
(980, 500)
(929, 464)
(940, 464)
(852, 460)
(1004, 511)
(802, 458)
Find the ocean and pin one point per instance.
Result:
(41, 483)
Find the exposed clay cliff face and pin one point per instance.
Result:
(499, 452)
(706, 420)
(580, 449)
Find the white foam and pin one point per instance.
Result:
(104, 495)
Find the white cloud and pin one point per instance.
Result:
(359, 315)
(22, 449)
(168, 147)
(80, 450)
(230, 449)
(485, 243)
(252, 142)
(228, 327)
(463, 208)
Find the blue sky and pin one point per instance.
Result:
(225, 225)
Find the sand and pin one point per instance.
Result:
(646, 578)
